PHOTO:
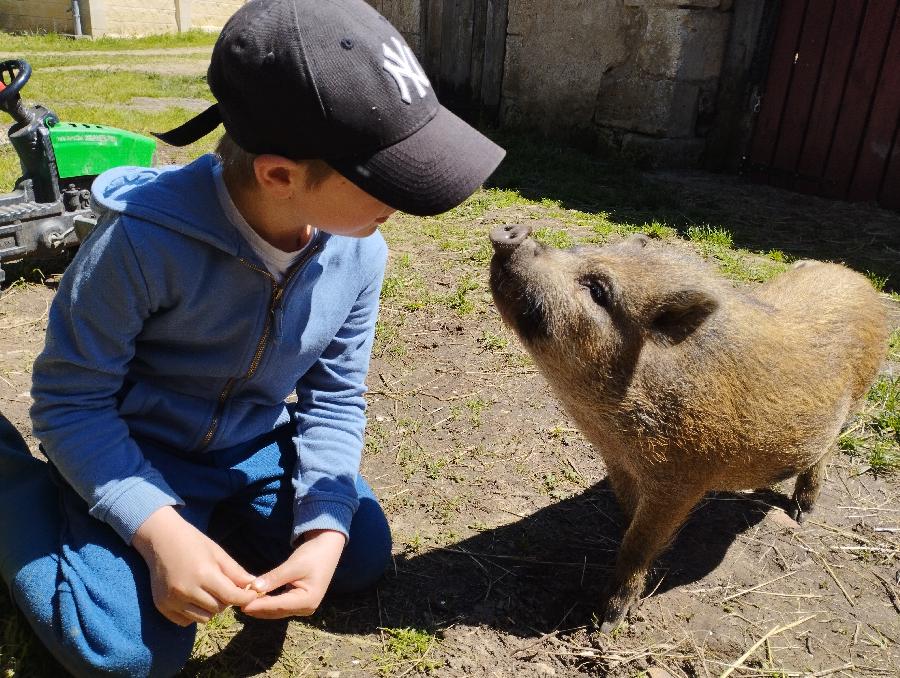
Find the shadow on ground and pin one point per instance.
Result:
(541, 573)
(37, 270)
(760, 218)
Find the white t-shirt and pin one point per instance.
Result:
(277, 261)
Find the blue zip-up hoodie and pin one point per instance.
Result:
(167, 327)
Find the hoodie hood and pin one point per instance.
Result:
(157, 194)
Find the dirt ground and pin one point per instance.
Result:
(505, 529)
(504, 526)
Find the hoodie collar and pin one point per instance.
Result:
(183, 199)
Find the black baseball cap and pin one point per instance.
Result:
(334, 80)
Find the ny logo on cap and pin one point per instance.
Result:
(402, 64)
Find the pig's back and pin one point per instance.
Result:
(835, 315)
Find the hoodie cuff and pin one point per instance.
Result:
(321, 514)
(132, 502)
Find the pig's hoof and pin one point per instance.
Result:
(613, 617)
(800, 514)
(609, 626)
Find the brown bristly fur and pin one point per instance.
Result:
(685, 384)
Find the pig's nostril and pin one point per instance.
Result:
(507, 238)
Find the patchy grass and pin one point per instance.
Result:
(606, 193)
(103, 96)
(554, 237)
(710, 239)
(407, 649)
(24, 43)
(459, 300)
(875, 436)
(59, 91)
(491, 341)
(878, 281)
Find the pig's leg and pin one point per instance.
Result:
(809, 483)
(657, 518)
(625, 489)
(806, 491)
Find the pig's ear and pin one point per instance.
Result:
(680, 313)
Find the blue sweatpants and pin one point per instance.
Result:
(87, 594)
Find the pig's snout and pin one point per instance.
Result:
(506, 239)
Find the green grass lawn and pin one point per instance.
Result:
(23, 44)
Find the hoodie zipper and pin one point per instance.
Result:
(274, 300)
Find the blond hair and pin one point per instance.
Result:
(237, 164)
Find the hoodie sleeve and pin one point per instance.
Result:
(331, 420)
(99, 309)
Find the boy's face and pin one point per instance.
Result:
(340, 207)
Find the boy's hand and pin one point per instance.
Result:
(308, 571)
(191, 577)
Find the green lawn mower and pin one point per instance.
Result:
(49, 208)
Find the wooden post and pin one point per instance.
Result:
(430, 41)
(463, 47)
(494, 57)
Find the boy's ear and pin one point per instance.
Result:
(680, 313)
(276, 175)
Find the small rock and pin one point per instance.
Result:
(658, 672)
(544, 669)
(333, 674)
(782, 519)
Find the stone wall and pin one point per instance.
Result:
(557, 62)
(659, 101)
(638, 75)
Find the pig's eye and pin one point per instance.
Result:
(598, 292)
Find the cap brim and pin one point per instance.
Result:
(433, 170)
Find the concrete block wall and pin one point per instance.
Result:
(34, 15)
(117, 17)
(210, 15)
(144, 17)
(138, 17)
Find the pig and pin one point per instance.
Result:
(685, 384)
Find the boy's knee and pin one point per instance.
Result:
(88, 641)
(129, 655)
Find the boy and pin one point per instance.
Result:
(206, 295)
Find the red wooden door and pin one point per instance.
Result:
(829, 118)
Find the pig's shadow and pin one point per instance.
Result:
(549, 570)
(542, 572)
